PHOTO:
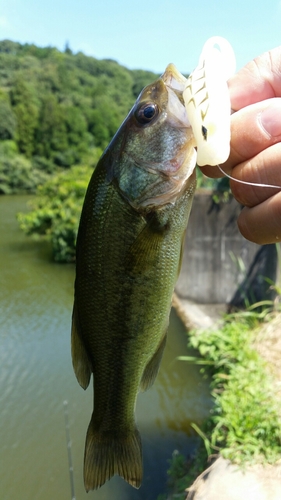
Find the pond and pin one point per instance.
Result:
(36, 377)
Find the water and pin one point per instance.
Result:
(36, 377)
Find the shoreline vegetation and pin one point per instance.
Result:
(242, 357)
(55, 211)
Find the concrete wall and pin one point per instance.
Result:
(215, 254)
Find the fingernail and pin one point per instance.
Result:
(270, 119)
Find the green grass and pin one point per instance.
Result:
(245, 420)
(244, 425)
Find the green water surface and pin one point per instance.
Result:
(36, 377)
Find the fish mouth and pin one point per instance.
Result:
(174, 79)
(182, 165)
(176, 172)
(175, 84)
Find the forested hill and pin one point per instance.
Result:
(56, 110)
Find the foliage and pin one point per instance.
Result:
(26, 109)
(7, 118)
(182, 472)
(220, 187)
(17, 173)
(178, 474)
(57, 106)
(245, 423)
(245, 419)
(56, 211)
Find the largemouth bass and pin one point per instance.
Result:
(129, 249)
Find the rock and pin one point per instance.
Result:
(226, 481)
(198, 316)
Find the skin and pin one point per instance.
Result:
(255, 156)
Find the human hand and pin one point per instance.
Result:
(255, 155)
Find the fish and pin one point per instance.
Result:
(128, 257)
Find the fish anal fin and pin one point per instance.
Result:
(80, 360)
(152, 368)
(109, 453)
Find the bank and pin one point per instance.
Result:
(222, 273)
(257, 478)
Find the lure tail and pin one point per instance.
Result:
(109, 453)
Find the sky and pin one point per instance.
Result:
(146, 34)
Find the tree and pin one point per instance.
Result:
(7, 119)
(76, 126)
(104, 120)
(58, 106)
(26, 109)
(51, 133)
(67, 49)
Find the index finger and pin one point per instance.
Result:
(260, 79)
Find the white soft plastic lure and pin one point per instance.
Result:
(207, 101)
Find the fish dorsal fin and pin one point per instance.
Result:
(80, 360)
(152, 368)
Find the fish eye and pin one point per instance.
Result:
(146, 112)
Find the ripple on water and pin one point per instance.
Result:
(36, 376)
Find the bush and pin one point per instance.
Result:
(17, 174)
(56, 211)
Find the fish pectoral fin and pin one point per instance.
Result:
(148, 243)
(80, 360)
(152, 368)
(112, 452)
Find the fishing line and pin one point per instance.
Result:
(255, 184)
(69, 455)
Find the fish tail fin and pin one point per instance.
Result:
(109, 453)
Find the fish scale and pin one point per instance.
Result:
(128, 258)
